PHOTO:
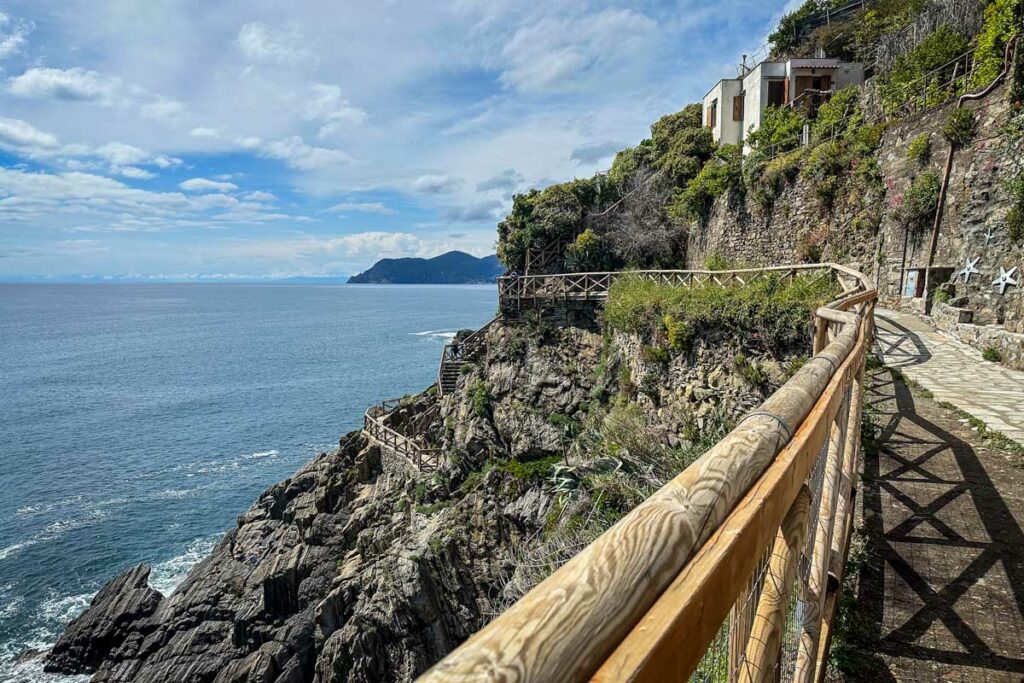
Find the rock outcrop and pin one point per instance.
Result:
(355, 571)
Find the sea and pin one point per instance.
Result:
(137, 421)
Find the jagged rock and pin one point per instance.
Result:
(120, 609)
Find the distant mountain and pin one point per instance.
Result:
(453, 268)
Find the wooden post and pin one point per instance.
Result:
(813, 592)
(763, 646)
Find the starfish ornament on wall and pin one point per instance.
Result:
(1005, 279)
(988, 237)
(969, 269)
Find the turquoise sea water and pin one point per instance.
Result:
(138, 421)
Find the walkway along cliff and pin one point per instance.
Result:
(374, 562)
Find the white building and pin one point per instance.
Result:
(735, 106)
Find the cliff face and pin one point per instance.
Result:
(864, 224)
(360, 568)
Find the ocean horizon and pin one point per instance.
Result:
(140, 419)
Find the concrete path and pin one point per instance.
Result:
(953, 371)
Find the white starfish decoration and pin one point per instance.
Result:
(968, 269)
(1005, 278)
(989, 236)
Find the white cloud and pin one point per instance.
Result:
(332, 110)
(296, 153)
(259, 196)
(205, 185)
(436, 183)
(362, 207)
(135, 173)
(262, 43)
(42, 83)
(249, 142)
(13, 35)
(163, 109)
(18, 133)
(559, 53)
(205, 132)
(167, 162)
(119, 154)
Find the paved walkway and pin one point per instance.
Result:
(953, 371)
(941, 587)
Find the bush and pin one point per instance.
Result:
(766, 181)
(920, 150)
(839, 116)
(921, 201)
(941, 296)
(1015, 217)
(530, 469)
(825, 164)
(784, 38)
(1001, 18)
(781, 130)
(481, 398)
(766, 311)
(960, 127)
(587, 252)
(720, 174)
(992, 355)
(904, 83)
(655, 354)
(1015, 225)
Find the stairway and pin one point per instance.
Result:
(448, 377)
(456, 355)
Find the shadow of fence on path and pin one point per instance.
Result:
(924, 557)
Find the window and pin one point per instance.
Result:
(737, 108)
(713, 114)
(776, 93)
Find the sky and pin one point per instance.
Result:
(180, 140)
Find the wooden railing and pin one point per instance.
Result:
(457, 354)
(522, 291)
(374, 426)
(698, 579)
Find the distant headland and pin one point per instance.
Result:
(451, 268)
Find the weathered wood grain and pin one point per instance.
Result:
(644, 600)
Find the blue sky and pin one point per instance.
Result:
(177, 139)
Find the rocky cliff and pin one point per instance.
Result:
(361, 568)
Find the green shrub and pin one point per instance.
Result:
(1015, 225)
(541, 468)
(941, 296)
(588, 252)
(751, 371)
(905, 83)
(481, 397)
(1015, 217)
(825, 164)
(783, 38)
(992, 355)
(767, 180)
(655, 354)
(920, 150)
(720, 174)
(780, 131)
(921, 201)
(715, 261)
(1002, 17)
(839, 116)
(960, 127)
(768, 311)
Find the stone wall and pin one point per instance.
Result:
(863, 228)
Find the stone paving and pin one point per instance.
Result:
(940, 593)
(953, 371)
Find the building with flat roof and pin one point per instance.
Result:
(735, 106)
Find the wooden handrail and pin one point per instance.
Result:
(394, 441)
(645, 600)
